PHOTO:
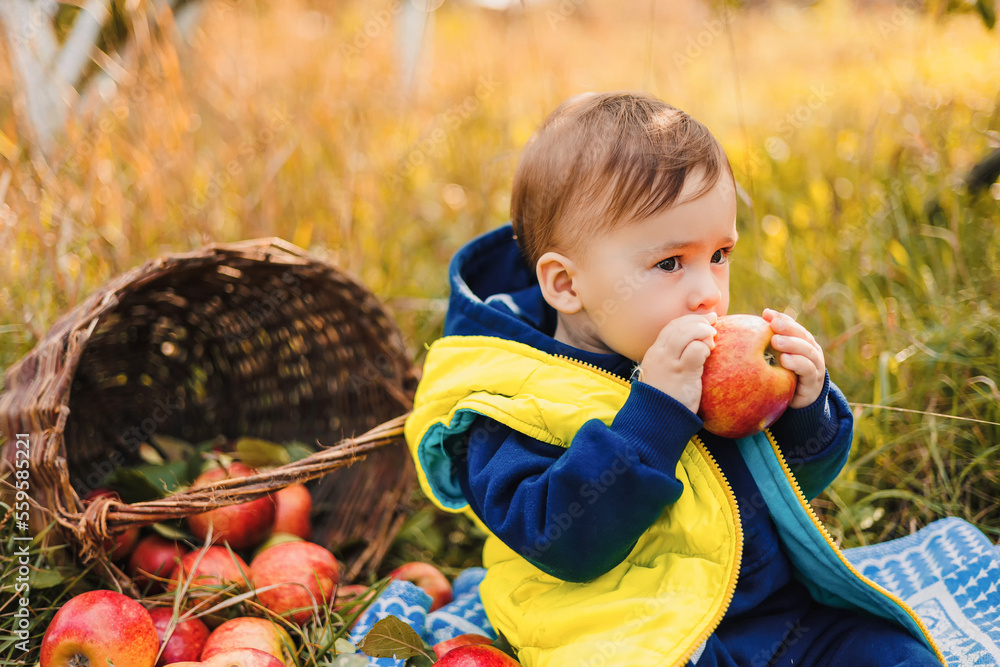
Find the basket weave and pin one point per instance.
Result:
(248, 339)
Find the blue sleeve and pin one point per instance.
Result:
(576, 512)
(816, 440)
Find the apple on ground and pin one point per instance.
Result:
(154, 556)
(119, 546)
(184, 642)
(461, 640)
(275, 540)
(352, 592)
(307, 571)
(241, 657)
(248, 632)
(243, 525)
(293, 510)
(98, 628)
(217, 568)
(427, 577)
(743, 388)
(476, 655)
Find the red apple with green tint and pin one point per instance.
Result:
(217, 568)
(461, 640)
(743, 388)
(308, 572)
(427, 577)
(241, 657)
(184, 642)
(156, 556)
(292, 511)
(98, 628)
(243, 525)
(249, 632)
(473, 655)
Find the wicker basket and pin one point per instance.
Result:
(248, 339)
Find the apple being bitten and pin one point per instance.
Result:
(98, 628)
(743, 388)
(427, 577)
(243, 525)
(185, 641)
(241, 657)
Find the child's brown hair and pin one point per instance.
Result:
(601, 158)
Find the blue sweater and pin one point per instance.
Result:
(576, 513)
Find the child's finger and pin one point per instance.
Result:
(785, 325)
(792, 345)
(802, 366)
(694, 355)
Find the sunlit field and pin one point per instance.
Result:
(850, 132)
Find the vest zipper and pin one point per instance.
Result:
(737, 560)
(592, 367)
(829, 539)
(730, 496)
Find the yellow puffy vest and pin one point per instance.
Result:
(655, 607)
(665, 599)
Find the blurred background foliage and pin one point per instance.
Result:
(852, 128)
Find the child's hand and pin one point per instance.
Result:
(801, 354)
(673, 364)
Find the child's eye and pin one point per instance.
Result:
(669, 264)
(721, 255)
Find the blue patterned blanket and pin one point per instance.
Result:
(948, 572)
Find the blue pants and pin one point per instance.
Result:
(803, 633)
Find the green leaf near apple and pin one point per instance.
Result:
(744, 388)
(391, 637)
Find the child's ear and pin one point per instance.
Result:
(555, 276)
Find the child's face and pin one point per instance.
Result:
(634, 279)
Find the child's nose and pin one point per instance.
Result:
(704, 294)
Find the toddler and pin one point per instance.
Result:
(560, 409)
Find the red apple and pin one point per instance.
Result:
(154, 556)
(309, 574)
(352, 592)
(241, 657)
(100, 628)
(461, 640)
(428, 578)
(744, 389)
(242, 525)
(475, 655)
(217, 568)
(292, 510)
(119, 546)
(275, 540)
(247, 632)
(184, 642)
